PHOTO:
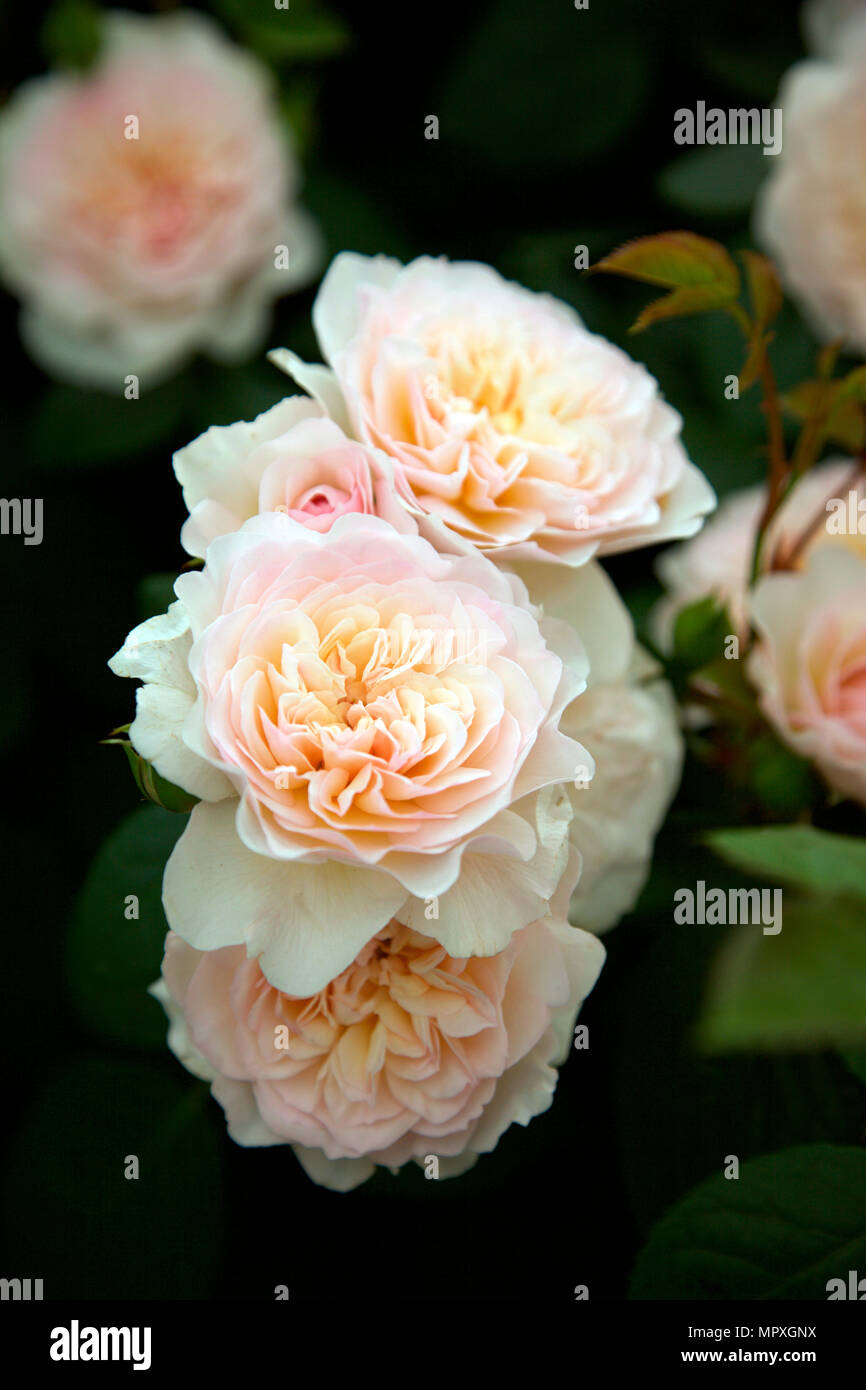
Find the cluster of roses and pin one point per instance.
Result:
(430, 757)
(808, 665)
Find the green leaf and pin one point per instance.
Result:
(800, 855)
(150, 783)
(302, 31)
(338, 204)
(700, 631)
(756, 68)
(72, 428)
(548, 99)
(71, 1216)
(787, 1225)
(676, 1107)
(856, 1063)
(802, 988)
(785, 783)
(156, 788)
(728, 678)
(717, 180)
(298, 107)
(841, 417)
(154, 594)
(112, 959)
(853, 386)
(765, 291)
(70, 34)
(224, 394)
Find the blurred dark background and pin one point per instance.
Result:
(556, 130)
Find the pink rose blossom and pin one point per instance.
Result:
(809, 664)
(718, 561)
(407, 1052)
(368, 722)
(291, 459)
(811, 211)
(144, 202)
(507, 420)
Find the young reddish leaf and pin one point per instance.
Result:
(847, 426)
(809, 398)
(853, 386)
(765, 292)
(700, 273)
(837, 414)
(690, 299)
(752, 367)
(674, 259)
(827, 358)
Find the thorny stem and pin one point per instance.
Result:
(779, 467)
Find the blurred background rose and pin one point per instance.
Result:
(149, 204)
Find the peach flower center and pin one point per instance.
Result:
(351, 711)
(404, 1011)
(509, 380)
(159, 190)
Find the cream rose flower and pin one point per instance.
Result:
(824, 22)
(144, 202)
(811, 211)
(627, 719)
(718, 561)
(527, 435)
(408, 1052)
(373, 730)
(809, 664)
(291, 459)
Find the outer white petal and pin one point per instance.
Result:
(178, 1034)
(305, 922)
(156, 733)
(100, 356)
(633, 732)
(683, 512)
(526, 1089)
(157, 652)
(584, 957)
(239, 326)
(339, 1174)
(318, 381)
(337, 307)
(587, 599)
(497, 894)
(243, 1121)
